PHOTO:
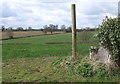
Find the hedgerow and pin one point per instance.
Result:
(109, 37)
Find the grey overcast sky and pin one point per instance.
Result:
(37, 13)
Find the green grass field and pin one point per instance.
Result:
(39, 48)
(42, 70)
(32, 63)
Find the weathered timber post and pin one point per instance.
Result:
(119, 9)
(73, 31)
(119, 27)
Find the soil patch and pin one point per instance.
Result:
(16, 44)
(71, 42)
(29, 36)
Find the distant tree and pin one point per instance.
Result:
(56, 27)
(9, 32)
(69, 29)
(85, 35)
(63, 27)
(45, 29)
(20, 29)
(45, 26)
(29, 28)
(51, 28)
(3, 28)
(87, 28)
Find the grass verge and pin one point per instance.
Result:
(44, 70)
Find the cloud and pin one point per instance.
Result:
(37, 13)
(92, 13)
(7, 12)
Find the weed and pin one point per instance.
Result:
(101, 72)
(58, 61)
(85, 70)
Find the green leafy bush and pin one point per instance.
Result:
(109, 37)
(85, 70)
(101, 72)
(85, 67)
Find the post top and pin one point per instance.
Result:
(73, 4)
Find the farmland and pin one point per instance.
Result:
(39, 48)
(51, 42)
(33, 62)
(25, 33)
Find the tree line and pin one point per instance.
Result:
(46, 28)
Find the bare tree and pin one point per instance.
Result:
(69, 29)
(20, 29)
(56, 27)
(63, 28)
(51, 28)
(3, 28)
(45, 29)
(85, 36)
(9, 32)
(29, 28)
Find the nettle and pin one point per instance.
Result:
(109, 36)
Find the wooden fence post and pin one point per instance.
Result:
(73, 30)
(119, 10)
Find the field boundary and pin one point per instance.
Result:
(16, 44)
(71, 42)
(29, 36)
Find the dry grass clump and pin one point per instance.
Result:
(85, 67)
